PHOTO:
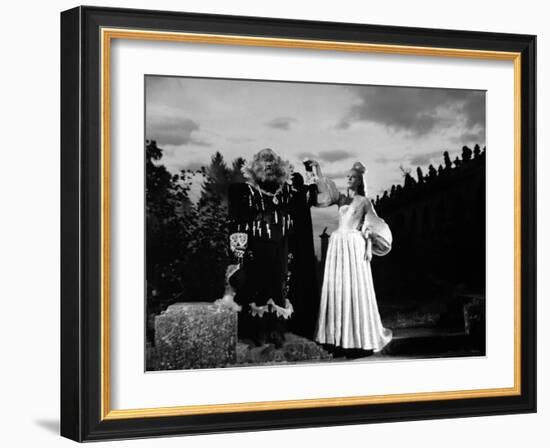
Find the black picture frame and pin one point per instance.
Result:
(81, 224)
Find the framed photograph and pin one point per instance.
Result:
(273, 223)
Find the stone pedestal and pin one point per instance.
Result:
(195, 335)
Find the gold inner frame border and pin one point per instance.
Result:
(107, 35)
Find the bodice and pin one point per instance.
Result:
(351, 216)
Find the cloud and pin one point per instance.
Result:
(334, 155)
(192, 166)
(413, 160)
(473, 109)
(416, 111)
(469, 137)
(307, 155)
(385, 160)
(241, 139)
(425, 158)
(173, 130)
(281, 123)
(340, 174)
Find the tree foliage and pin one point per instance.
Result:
(187, 240)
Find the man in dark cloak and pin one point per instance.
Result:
(271, 240)
(304, 284)
(261, 221)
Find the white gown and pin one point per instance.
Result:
(348, 314)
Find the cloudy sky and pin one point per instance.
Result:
(387, 128)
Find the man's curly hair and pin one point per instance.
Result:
(254, 172)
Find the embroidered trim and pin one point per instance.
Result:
(280, 190)
(271, 307)
(285, 312)
(238, 241)
(259, 311)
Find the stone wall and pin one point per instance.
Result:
(194, 335)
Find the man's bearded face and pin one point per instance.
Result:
(268, 167)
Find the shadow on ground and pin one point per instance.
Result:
(51, 426)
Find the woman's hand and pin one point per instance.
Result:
(315, 165)
(368, 249)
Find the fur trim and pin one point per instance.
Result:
(259, 311)
(250, 169)
(285, 312)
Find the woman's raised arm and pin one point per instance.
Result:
(327, 194)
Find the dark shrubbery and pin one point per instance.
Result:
(186, 241)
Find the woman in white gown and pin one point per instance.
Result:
(348, 313)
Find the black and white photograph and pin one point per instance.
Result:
(292, 222)
(273, 223)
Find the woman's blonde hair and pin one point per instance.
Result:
(361, 169)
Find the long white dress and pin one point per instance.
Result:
(348, 314)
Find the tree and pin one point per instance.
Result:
(236, 168)
(187, 242)
(169, 217)
(217, 177)
(466, 154)
(158, 185)
(420, 175)
(477, 151)
(210, 243)
(447, 160)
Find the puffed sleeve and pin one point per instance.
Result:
(378, 231)
(327, 193)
